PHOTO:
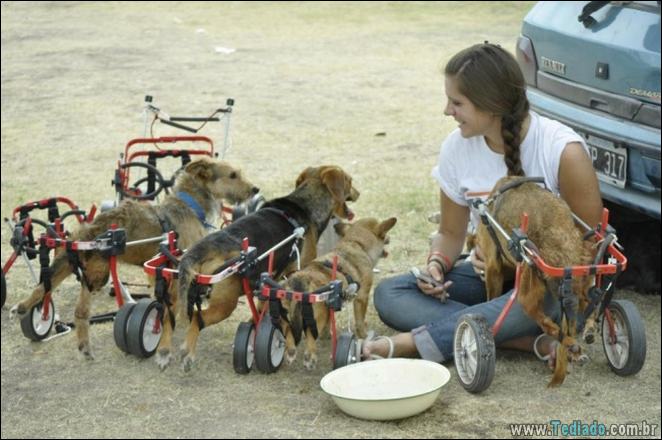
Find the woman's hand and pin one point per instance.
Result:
(435, 287)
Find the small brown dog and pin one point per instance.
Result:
(319, 193)
(559, 242)
(206, 183)
(360, 247)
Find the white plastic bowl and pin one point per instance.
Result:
(386, 389)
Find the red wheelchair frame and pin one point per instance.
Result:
(22, 223)
(621, 323)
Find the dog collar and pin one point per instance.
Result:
(195, 206)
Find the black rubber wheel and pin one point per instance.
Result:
(269, 347)
(4, 290)
(120, 326)
(345, 351)
(34, 325)
(161, 183)
(143, 331)
(243, 350)
(475, 354)
(626, 352)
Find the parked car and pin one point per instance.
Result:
(595, 66)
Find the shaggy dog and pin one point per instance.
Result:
(196, 196)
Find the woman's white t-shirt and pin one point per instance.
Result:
(467, 166)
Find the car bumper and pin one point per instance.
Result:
(642, 141)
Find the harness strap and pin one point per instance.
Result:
(162, 295)
(569, 300)
(76, 265)
(166, 224)
(277, 313)
(348, 277)
(195, 300)
(309, 319)
(490, 229)
(45, 272)
(285, 215)
(497, 199)
(517, 182)
(295, 225)
(151, 175)
(195, 206)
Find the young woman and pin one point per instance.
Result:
(497, 135)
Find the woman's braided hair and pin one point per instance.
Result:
(491, 79)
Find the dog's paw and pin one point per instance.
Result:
(290, 356)
(582, 360)
(163, 359)
(589, 333)
(86, 351)
(16, 312)
(309, 361)
(589, 337)
(187, 363)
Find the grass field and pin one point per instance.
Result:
(354, 84)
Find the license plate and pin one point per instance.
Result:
(610, 162)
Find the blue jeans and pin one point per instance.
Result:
(402, 306)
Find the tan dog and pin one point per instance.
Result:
(206, 181)
(552, 229)
(320, 193)
(360, 247)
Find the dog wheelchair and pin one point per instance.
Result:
(619, 321)
(147, 152)
(37, 323)
(258, 341)
(342, 348)
(22, 229)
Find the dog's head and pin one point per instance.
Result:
(337, 182)
(221, 179)
(370, 233)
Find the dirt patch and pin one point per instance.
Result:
(354, 84)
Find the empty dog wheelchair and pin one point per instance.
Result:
(146, 153)
(621, 326)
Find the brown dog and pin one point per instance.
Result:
(559, 242)
(360, 247)
(205, 181)
(320, 193)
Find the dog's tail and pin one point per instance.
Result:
(295, 314)
(184, 280)
(561, 367)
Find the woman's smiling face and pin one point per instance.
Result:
(472, 121)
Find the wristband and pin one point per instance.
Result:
(443, 260)
(437, 263)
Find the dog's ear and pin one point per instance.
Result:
(341, 228)
(386, 226)
(303, 176)
(200, 168)
(334, 179)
